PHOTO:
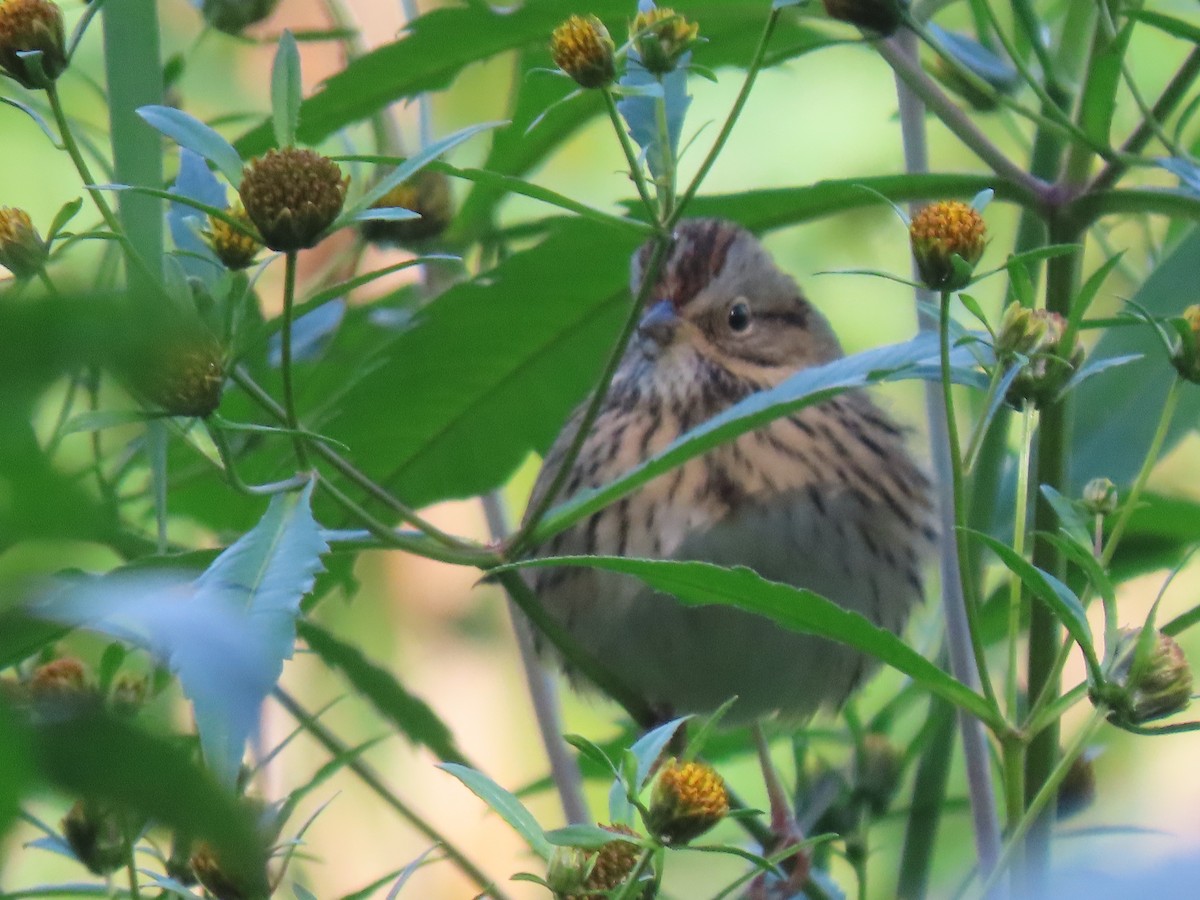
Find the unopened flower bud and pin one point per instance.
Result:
(576, 874)
(880, 16)
(941, 232)
(877, 770)
(183, 375)
(22, 250)
(426, 193)
(234, 247)
(1140, 691)
(1078, 789)
(97, 837)
(128, 695)
(292, 196)
(661, 37)
(583, 48)
(32, 26)
(688, 800)
(1186, 357)
(234, 16)
(1021, 331)
(222, 883)
(1100, 496)
(1050, 366)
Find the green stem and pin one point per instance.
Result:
(960, 501)
(906, 66)
(1178, 87)
(1139, 483)
(925, 809)
(235, 481)
(347, 469)
(1020, 526)
(131, 863)
(1013, 759)
(1042, 800)
(666, 181)
(583, 429)
(631, 154)
(735, 112)
(1053, 456)
(372, 779)
(285, 359)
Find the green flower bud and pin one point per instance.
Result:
(234, 16)
(1157, 686)
(661, 37)
(1100, 496)
(877, 771)
(880, 16)
(1186, 357)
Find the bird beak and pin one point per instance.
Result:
(659, 323)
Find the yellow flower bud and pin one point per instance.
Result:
(22, 250)
(426, 193)
(582, 47)
(235, 249)
(30, 26)
(688, 800)
(940, 232)
(661, 37)
(292, 196)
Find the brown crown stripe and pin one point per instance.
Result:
(697, 256)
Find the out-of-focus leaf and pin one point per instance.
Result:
(197, 182)
(1161, 530)
(410, 714)
(110, 759)
(1115, 417)
(285, 90)
(644, 754)
(702, 584)
(16, 766)
(640, 109)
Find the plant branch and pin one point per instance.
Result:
(285, 359)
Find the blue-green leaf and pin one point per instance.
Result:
(285, 90)
(197, 137)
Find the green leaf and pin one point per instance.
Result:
(411, 715)
(1115, 418)
(702, 584)
(285, 90)
(189, 132)
(1098, 102)
(16, 766)
(586, 837)
(1179, 28)
(506, 805)
(465, 408)
(1161, 531)
(1056, 595)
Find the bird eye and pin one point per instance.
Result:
(739, 316)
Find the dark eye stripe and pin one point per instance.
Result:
(796, 317)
